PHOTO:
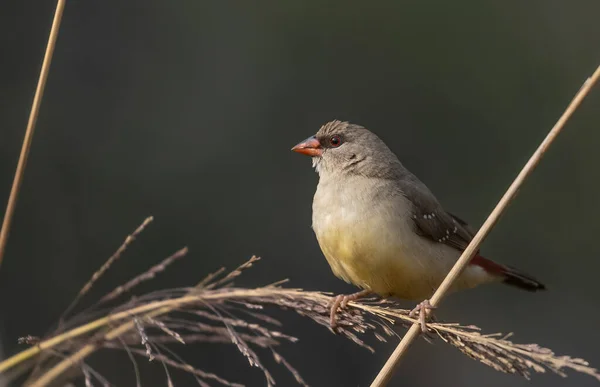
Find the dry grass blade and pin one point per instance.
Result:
(209, 278)
(86, 288)
(231, 276)
(184, 366)
(146, 276)
(280, 359)
(243, 347)
(162, 326)
(130, 238)
(161, 359)
(136, 369)
(172, 356)
(33, 115)
(87, 377)
(144, 337)
(236, 322)
(198, 338)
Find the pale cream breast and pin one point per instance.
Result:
(369, 241)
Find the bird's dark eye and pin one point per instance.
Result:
(335, 141)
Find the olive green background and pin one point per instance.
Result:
(187, 110)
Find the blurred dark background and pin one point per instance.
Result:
(187, 110)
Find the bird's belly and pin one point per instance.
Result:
(370, 254)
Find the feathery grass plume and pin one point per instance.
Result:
(214, 311)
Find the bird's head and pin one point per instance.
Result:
(342, 147)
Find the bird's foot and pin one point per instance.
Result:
(341, 301)
(423, 310)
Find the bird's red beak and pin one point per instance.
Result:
(310, 147)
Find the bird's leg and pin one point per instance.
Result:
(423, 310)
(341, 301)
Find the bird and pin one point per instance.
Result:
(382, 230)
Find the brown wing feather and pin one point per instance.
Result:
(440, 227)
(431, 220)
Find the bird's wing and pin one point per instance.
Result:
(465, 225)
(432, 221)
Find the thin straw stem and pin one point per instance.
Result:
(385, 374)
(33, 115)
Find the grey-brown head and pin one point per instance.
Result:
(342, 147)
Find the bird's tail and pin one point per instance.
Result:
(510, 275)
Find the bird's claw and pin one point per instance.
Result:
(333, 311)
(341, 301)
(423, 310)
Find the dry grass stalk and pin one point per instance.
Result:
(146, 276)
(182, 366)
(109, 262)
(130, 238)
(386, 372)
(33, 115)
(144, 326)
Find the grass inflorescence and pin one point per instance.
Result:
(216, 312)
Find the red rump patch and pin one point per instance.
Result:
(510, 276)
(488, 265)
